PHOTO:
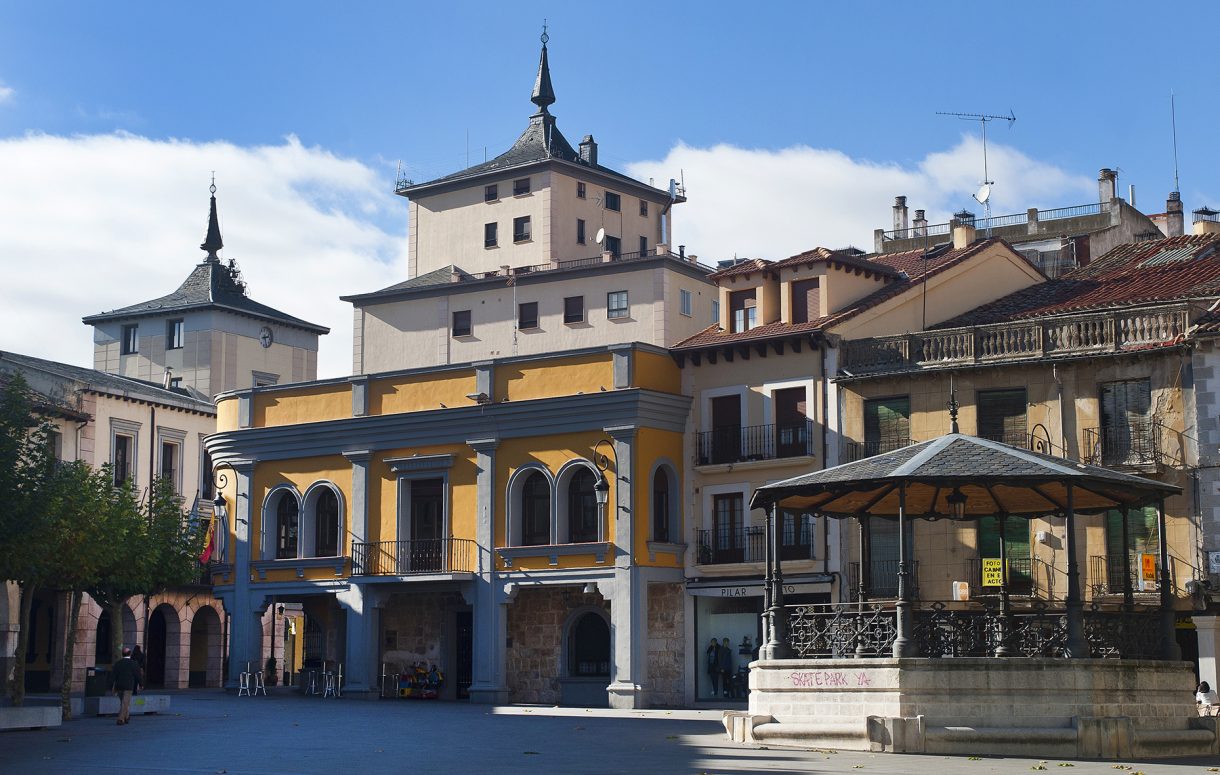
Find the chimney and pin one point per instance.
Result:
(588, 151)
(1175, 219)
(963, 229)
(921, 224)
(1107, 185)
(1207, 221)
(900, 213)
(168, 379)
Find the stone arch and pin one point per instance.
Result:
(270, 522)
(517, 485)
(667, 514)
(584, 474)
(165, 655)
(311, 530)
(587, 647)
(204, 655)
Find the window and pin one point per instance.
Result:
(684, 299)
(727, 529)
(521, 187)
(131, 340)
(490, 231)
(806, 301)
(491, 193)
(175, 334)
(715, 311)
(527, 314)
(326, 524)
(589, 646)
(170, 463)
(263, 378)
(427, 526)
(574, 309)
(643, 209)
(643, 246)
(1002, 417)
(175, 383)
(580, 190)
(55, 443)
(660, 505)
(580, 231)
(1016, 549)
(616, 304)
(536, 511)
(1127, 435)
(521, 229)
(286, 517)
(461, 323)
(582, 508)
(121, 460)
(1142, 538)
(796, 535)
(744, 310)
(887, 425)
(613, 201)
(612, 245)
(881, 578)
(205, 475)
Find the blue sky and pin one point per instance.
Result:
(794, 123)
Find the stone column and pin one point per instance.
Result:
(489, 616)
(629, 606)
(361, 603)
(358, 509)
(245, 617)
(1208, 630)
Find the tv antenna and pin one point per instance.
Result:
(983, 195)
(1173, 118)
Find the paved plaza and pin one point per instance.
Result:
(209, 732)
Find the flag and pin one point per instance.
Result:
(210, 544)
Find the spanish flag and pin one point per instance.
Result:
(209, 545)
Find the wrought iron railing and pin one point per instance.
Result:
(405, 558)
(748, 544)
(739, 444)
(1106, 575)
(1020, 576)
(858, 450)
(944, 630)
(882, 580)
(1132, 443)
(1061, 336)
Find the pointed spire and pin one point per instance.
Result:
(544, 93)
(212, 242)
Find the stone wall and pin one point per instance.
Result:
(535, 632)
(415, 628)
(666, 645)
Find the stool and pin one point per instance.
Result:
(330, 685)
(243, 684)
(259, 686)
(313, 682)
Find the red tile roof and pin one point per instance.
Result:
(749, 266)
(1173, 269)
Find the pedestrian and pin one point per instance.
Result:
(1206, 699)
(125, 675)
(726, 666)
(137, 656)
(713, 666)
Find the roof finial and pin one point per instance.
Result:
(952, 407)
(213, 242)
(544, 93)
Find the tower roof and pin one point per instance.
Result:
(212, 242)
(544, 93)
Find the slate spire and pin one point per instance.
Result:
(212, 242)
(544, 93)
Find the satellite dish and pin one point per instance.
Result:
(600, 236)
(984, 194)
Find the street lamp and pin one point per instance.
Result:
(957, 504)
(601, 488)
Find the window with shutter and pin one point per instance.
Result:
(1002, 416)
(1142, 538)
(887, 424)
(1126, 422)
(806, 303)
(1016, 547)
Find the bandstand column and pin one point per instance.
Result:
(1169, 641)
(777, 646)
(1077, 647)
(861, 586)
(1128, 593)
(1004, 649)
(903, 646)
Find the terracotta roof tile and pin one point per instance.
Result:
(748, 266)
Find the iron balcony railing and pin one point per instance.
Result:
(739, 444)
(406, 558)
(882, 580)
(858, 450)
(748, 544)
(1106, 576)
(1130, 444)
(1057, 337)
(1020, 577)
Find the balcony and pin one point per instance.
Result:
(1106, 576)
(1134, 444)
(1020, 577)
(407, 558)
(1057, 337)
(740, 444)
(882, 581)
(749, 544)
(858, 450)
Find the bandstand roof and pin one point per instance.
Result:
(996, 478)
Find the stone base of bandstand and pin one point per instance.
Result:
(1081, 708)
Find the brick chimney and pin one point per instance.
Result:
(1175, 218)
(900, 213)
(1107, 185)
(588, 151)
(920, 223)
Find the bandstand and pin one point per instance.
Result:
(967, 676)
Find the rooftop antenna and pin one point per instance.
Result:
(983, 195)
(1173, 118)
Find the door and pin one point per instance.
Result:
(887, 424)
(1126, 428)
(725, 444)
(426, 552)
(1016, 549)
(882, 570)
(791, 422)
(1002, 416)
(728, 539)
(1142, 538)
(465, 654)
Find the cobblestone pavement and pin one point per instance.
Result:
(210, 732)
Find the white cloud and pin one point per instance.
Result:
(776, 203)
(102, 221)
(6, 93)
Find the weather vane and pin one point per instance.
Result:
(212, 188)
(545, 38)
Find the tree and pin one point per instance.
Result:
(27, 465)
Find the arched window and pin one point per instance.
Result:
(661, 505)
(589, 646)
(535, 510)
(326, 524)
(287, 515)
(582, 508)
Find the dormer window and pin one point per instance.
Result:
(743, 310)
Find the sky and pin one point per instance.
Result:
(793, 125)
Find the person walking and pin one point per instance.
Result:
(726, 666)
(713, 666)
(125, 675)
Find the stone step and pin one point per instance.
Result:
(30, 717)
(108, 705)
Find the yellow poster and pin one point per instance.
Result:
(993, 575)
